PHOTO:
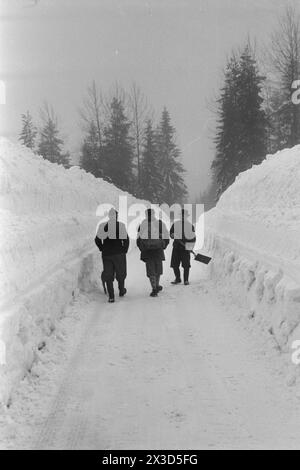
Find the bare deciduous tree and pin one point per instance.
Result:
(284, 58)
(140, 112)
(285, 47)
(92, 110)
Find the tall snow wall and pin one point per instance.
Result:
(254, 236)
(47, 252)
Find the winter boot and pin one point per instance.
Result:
(122, 290)
(186, 273)
(177, 276)
(110, 289)
(154, 293)
(154, 286)
(158, 287)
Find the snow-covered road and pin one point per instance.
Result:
(185, 370)
(174, 372)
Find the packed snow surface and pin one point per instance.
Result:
(174, 372)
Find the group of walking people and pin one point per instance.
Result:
(153, 237)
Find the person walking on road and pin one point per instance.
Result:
(183, 234)
(152, 240)
(113, 242)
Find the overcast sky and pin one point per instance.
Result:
(174, 49)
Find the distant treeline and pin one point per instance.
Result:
(120, 143)
(255, 111)
(255, 115)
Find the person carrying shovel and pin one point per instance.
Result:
(183, 234)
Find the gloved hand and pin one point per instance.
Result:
(189, 246)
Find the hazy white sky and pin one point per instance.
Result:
(174, 49)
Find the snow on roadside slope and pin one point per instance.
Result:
(254, 235)
(47, 254)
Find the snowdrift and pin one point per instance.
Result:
(47, 253)
(254, 235)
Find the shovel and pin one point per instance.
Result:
(201, 258)
(198, 257)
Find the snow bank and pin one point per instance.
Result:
(254, 235)
(47, 253)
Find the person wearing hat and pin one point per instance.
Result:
(113, 242)
(183, 234)
(152, 240)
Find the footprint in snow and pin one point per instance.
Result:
(175, 416)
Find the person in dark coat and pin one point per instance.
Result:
(183, 234)
(113, 242)
(152, 240)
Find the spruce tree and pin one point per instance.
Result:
(91, 158)
(118, 147)
(151, 181)
(241, 127)
(50, 145)
(171, 169)
(29, 132)
(228, 128)
(139, 112)
(253, 140)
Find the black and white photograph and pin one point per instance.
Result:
(149, 228)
